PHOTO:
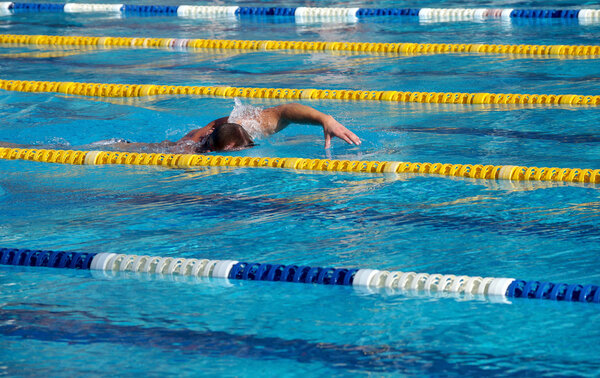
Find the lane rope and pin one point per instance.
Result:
(138, 90)
(361, 278)
(474, 171)
(366, 47)
(301, 13)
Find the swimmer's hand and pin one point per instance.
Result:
(331, 127)
(277, 118)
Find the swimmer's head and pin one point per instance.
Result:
(228, 137)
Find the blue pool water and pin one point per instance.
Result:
(63, 323)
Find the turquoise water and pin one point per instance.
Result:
(64, 323)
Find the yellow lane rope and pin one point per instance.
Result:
(476, 171)
(41, 55)
(367, 47)
(231, 52)
(137, 90)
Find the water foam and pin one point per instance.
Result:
(248, 116)
(108, 142)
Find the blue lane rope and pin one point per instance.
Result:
(449, 14)
(166, 10)
(50, 259)
(371, 278)
(36, 7)
(555, 292)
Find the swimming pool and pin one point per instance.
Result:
(67, 322)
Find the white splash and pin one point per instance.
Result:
(108, 142)
(248, 116)
(57, 142)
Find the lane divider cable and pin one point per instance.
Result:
(139, 90)
(365, 47)
(374, 279)
(474, 171)
(302, 13)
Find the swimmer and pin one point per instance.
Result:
(223, 135)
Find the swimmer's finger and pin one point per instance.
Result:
(355, 139)
(350, 137)
(346, 138)
(327, 140)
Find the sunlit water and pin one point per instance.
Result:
(66, 323)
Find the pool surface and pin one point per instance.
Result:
(61, 322)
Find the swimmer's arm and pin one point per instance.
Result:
(196, 135)
(15, 145)
(277, 118)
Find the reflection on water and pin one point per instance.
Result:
(56, 321)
